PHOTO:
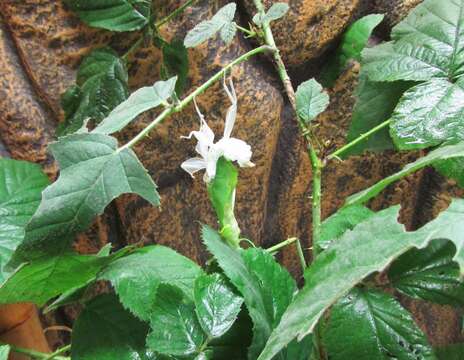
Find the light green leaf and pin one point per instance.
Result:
(21, 185)
(353, 42)
(228, 32)
(375, 103)
(136, 277)
(141, 100)
(275, 12)
(176, 63)
(216, 304)
(93, 172)
(47, 277)
(209, 28)
(443, 153)
(114, 15)
(450, 352)
(221, 191)
(266, 287)
(370, 247)
(311, 100)
(429, 274)
(175, 328)
(4, 352)
(452, 168)
(343, 220)
(429, 114)
(383, 329)
(106, 331)
(101, 86)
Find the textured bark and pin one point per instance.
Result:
(40, 47)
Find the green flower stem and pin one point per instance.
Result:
(281, 245)
(40, 355)
(175, 108)
(316, 164)
(176, 12)
(336, 154)
(246, 31)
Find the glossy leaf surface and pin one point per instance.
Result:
(429, 274)
(106, 331)
(93, 172)
(136, 277)
(21, 185)
(368, 324)
(368, 248)
(139, 101)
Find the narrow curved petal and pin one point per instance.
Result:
(232, 111)
(193, 165)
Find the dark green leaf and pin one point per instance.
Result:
(4, 352)
(209, 28)
(311, 100)
(101, 86)
(221, 192)
(344, 219)
(353, 42)
(93, 172)
(370, 247)
(141, 100)
(429, 114)
(450, 352)
(375, 104)
(114, 15)
(368, 324)
(443, 153)
(106, 331)
(21, 185)
(216, 304)
(47, 277)
(176, 63)
(136, 277)
(429, 274)
(175, 328)
(275, 12)
(267, 288)
(452, 168)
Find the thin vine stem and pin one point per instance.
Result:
(176, 12)
(336, 154)
(40, 355)
(175, 108)
(281, 245)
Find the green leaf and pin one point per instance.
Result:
(21, 185)
(106, 331)
(93, 172)
(375, 103)
(47, 277)
(429, 114)
(450, 352)
(266, 287)
(343, 220)
(311, 100)
(141, 100)
(101, 86)
(176, 63)
(216, 304)
(452, 168)
(429, 274)
(353, 42)
(228, 32)
(4, 352)
(221, 191)
(443, 153)
(368, 248)
(275, 12)
(175, 328)
(383, 329)
(136, 277)
(209, 28)
(114, 15)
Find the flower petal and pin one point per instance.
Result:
(232, 111)
(193, 165)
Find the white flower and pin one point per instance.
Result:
(231, 148)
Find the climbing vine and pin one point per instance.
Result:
(243, 304)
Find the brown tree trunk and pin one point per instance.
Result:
(41, 44)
